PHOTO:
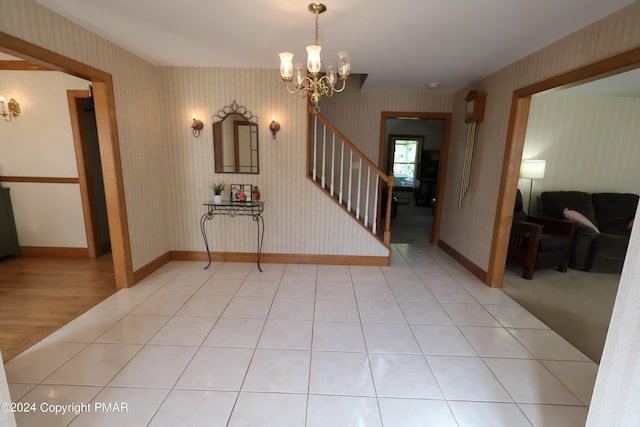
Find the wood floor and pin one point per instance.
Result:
(39, 295)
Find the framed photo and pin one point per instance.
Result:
(241, 192)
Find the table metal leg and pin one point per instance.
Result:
(260, 223)
(203, 229)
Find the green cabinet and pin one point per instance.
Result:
(8, 236)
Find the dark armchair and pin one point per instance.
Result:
(537, 242)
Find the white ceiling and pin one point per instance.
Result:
(400, 44)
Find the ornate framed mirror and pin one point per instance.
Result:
(235, 140)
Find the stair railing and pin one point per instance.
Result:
(347, 175)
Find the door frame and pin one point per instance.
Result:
(444, 156)
(518, 120)
(88, 193)
(105, 110)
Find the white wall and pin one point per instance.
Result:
(39, 143)
(589, 143)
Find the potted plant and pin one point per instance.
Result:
(217, 188)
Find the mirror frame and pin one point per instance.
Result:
(249, 119)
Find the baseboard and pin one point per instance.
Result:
(282, 258)
(466, 262)
(53, 251)
(149, 268)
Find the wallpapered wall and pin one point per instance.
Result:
(469, 229)
(167, 172)
(153, 201)
(590, 143)
(357, 113)
(299, 219)
(138, 114)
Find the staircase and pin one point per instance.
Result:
(346, 175)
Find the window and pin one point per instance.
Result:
(405, 161)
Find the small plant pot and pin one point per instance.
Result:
(217, 198)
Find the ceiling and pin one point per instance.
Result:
(400, 45)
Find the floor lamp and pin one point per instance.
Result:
(532, 169)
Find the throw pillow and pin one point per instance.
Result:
(577, 217)
(630, 225)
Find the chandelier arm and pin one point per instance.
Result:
(306, 84)
(344, 85)
(326, 88)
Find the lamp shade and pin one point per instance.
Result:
(532, 169)
(286, 66)
(313, 59)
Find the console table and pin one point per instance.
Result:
(233, 209)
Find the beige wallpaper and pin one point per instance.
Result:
(469, 229)
(357, 113)
(160, 159)
(138, 113)
(589, 143)
(167, 172)
(298, 218)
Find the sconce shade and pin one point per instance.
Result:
(532, 169)
(274, 127)
(196, 126)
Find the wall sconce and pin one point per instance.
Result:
(13, 106)
(274, 127)
(196, 126)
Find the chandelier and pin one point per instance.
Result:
(313, 83)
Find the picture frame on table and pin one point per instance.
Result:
(241, 192)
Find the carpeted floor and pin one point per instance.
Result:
(576, 304)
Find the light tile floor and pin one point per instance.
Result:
(419, 343)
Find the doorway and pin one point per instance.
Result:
(410, 142)
(107, 130)
(515, 144)
(577, 301)
(85, 138)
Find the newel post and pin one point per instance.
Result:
(387, 218)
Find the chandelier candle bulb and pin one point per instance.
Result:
(344, 64)
(331, 73)
(1, 104)
(299, 75)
